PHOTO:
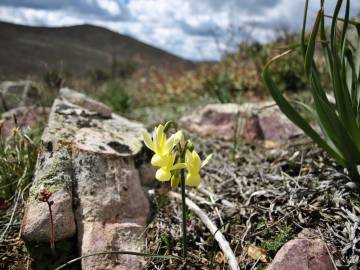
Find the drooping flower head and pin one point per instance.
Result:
(163, 158)
(194, 164)
(168, 160)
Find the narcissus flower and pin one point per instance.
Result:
(167, 166)
(194, 164)
(166, 158)
(170, 155)
(159, 144)
(162, 147)
(175, 179)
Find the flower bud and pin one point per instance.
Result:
(190, 145)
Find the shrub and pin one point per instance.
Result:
(55, 78)
(98, 75)
(340, 124)
(290, 72)
(116, 96)
(123, 69)
(221, 86)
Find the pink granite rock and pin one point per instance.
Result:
(54, 171)
(112, 207)
(25, 117)
(15, 94)
(255, 121)
(36, 221)
(87, 160)
(82, 100)
(306, 252)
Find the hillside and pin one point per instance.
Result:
(31, 51)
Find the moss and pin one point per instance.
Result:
(355, 199)
(276, 238)
(54, 175)
(161, 201)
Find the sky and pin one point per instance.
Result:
(192, 29)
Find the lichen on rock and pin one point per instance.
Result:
(86, 160)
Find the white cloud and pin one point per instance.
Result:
(183, 27)
(111, 6)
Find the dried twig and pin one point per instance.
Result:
(219, 237)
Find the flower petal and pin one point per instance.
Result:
(175, 180)
(196, 160)
(178, 166)
(158, 138)
(188, 156)
(163, 175)
(159, 161)
(193, 180)
(189, 162)
(148, 141)
(168, 145)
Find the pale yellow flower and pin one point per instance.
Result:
(193, 165)
(164, 172)
(159, 144)
(162, 147)
(175, 179)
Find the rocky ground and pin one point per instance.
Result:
(264, 198)
(281, 202)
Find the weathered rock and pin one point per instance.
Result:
(16, 94)
(147, 175)
(112, 208)
(85, 102)
(306, 252)
(54, 171)
(99, 236)
(97, 151)
(25, 117)
(255, 121)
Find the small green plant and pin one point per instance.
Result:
(221, 86)
(276, 239)
(44, 196)
(172, 156)
(116, 96)
(18, 154)
(235, 135)
(355, 199)
(340, 123)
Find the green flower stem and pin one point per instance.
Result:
(183, 197)
(170, 124)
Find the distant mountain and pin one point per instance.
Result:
(31, 51)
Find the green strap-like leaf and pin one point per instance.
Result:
(311, 45)
(303, 43)
(293, 115)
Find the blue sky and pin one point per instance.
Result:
(197, 29)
